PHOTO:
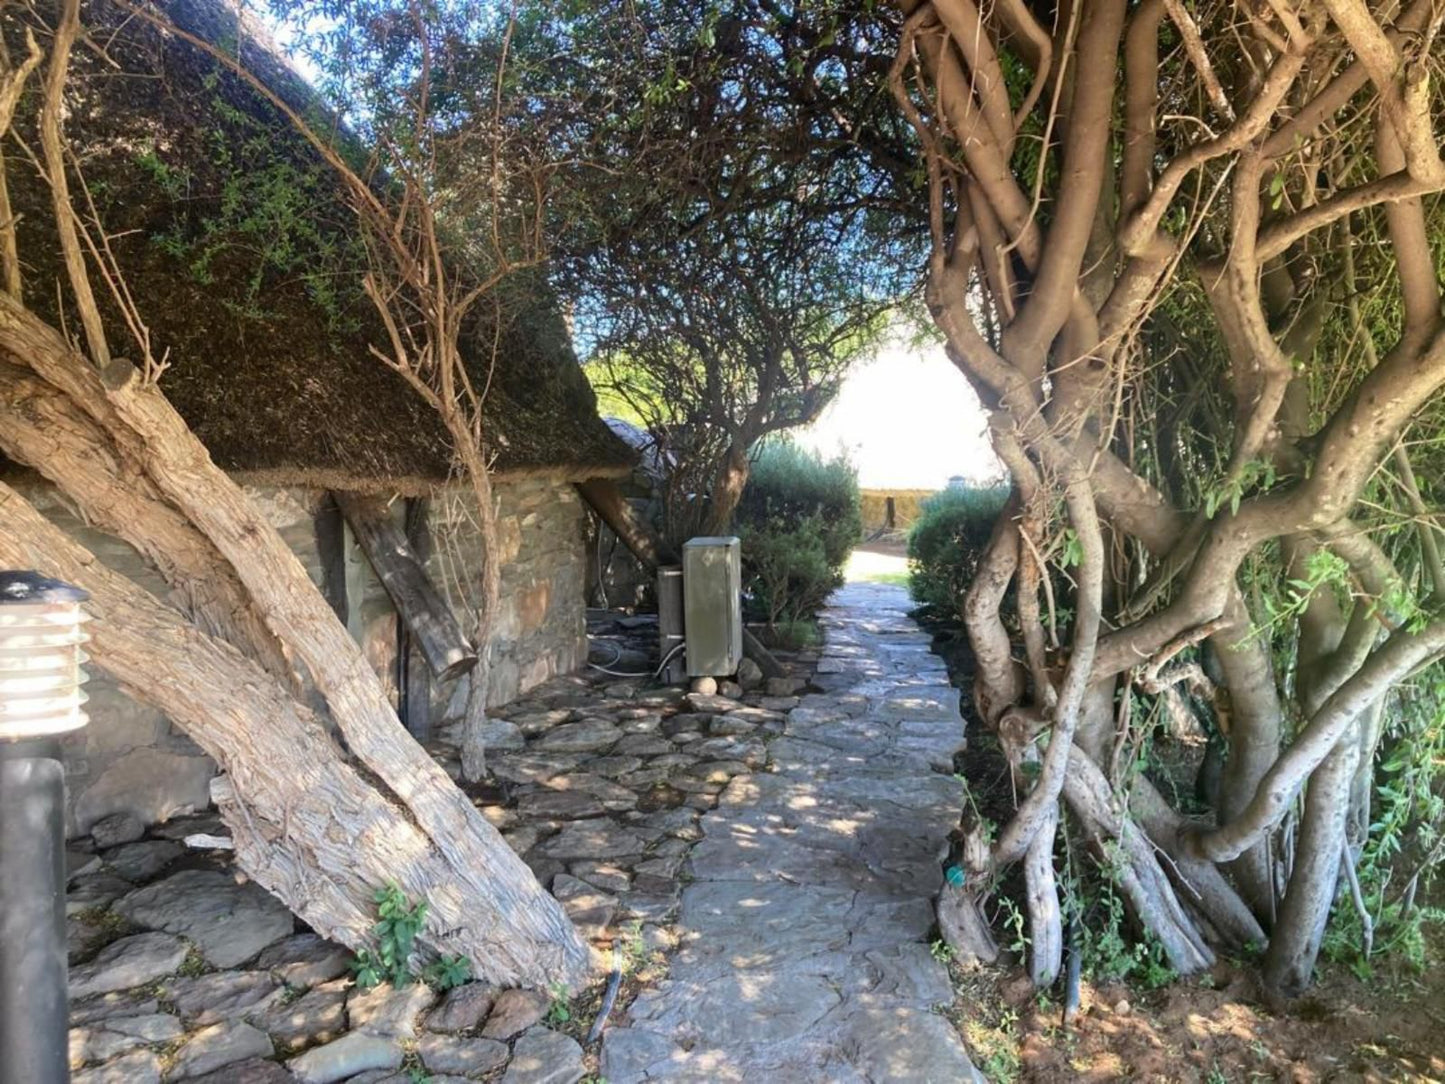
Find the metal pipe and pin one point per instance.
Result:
(41, 632)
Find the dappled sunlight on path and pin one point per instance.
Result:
(804, 955)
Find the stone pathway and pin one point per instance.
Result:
(804, 954)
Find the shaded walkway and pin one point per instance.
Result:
(805, 955)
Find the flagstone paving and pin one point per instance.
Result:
(803, 951)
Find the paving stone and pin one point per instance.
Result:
(543, 1056)
(643, 745)
(250, 1071)
(583, 736)
(498, 735)
(613, 766)
(465, 1057)
(138, 1067)
(514, 1012)
(129, 962)
(116, 829)
(601, 875)
(712, 705)
(144, 860)
(105, 1006)
(462, 1008)
(596, 839)
(224, 995)
(532, 767)
(229, 923)
(305, 959)
(346, 1057)
(319, 1015)
(784, 686)
(94, 891)
(219, 1045)
(559, 805)
(723, 726)
(628, 1053)
(106, 1039)
(590, 909)
(387, 1010)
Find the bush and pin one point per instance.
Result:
(799, 520)
(948, 541)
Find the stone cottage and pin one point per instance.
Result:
(234, 241)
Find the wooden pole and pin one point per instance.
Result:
(420, 605)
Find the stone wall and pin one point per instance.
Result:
(131, 758)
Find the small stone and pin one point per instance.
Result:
(465, 1057)
(144, 860)
(224, 995)
(95, 890)
(750, 674)
(514, 1012)
(784, 686)
(353, 1053)
(723, 726)
(543, 1056)
(730, 689)
(594, 839)
(305, 959)
(229, 923)
(129, 962)
(319, 1015)
(218, 1045)
(709, 705)
(1122, 1007)
(79, 863)
(387, 1010)
(116, 829)
(704, 686)
(463, 1008)
(138, 1067)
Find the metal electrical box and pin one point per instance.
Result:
(712, 578)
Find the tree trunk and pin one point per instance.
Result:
(727, 490)
(307, 825)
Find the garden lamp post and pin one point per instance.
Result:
(42, 628)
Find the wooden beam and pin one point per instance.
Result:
(420, 605)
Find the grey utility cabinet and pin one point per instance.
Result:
(712, 578)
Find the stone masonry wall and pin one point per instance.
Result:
(131, 758)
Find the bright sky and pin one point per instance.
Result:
(908, 420)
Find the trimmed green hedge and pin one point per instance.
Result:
(947, 542)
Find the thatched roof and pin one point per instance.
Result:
(245, 263)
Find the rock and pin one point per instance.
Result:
(723, 726)
(498, 734)
(784, 686)
(679, 724)
(906, 1043)
(305, 959)
(387, 1010)
(83, 937)
(595, 839)
(224, 995)
(116, 829)
(319, 1015)
(139, 1067)
(613, 766)
(1122, 1007)
(751, 751)
(567, 805)
(704, 686)
(719, 771)
(229, 923)
(514, 1012)
(79, 863)
(131, 961)
(353, 1053)
(542, 1056)
(106, 1039)
(583, 736)
(602, 875)
(730, 689)
(590, 909)
(107, 1005)
(627, 1053)
(250, 1071)
(143, 861)
(642, 745)
(532, 767)
(465, 1057)
(219, 1045)
(208, 823)
(710, 705)
(750, 674)
(463, 1008)
(539, 722)
(95, 890)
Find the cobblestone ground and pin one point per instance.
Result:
(803, 933)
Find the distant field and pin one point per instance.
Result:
(905, 506)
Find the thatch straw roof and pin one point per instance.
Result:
(244, 261)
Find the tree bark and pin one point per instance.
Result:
(307, 825)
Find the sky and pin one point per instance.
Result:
(908, 419)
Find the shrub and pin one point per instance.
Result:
(798, 520)
(947, 542)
